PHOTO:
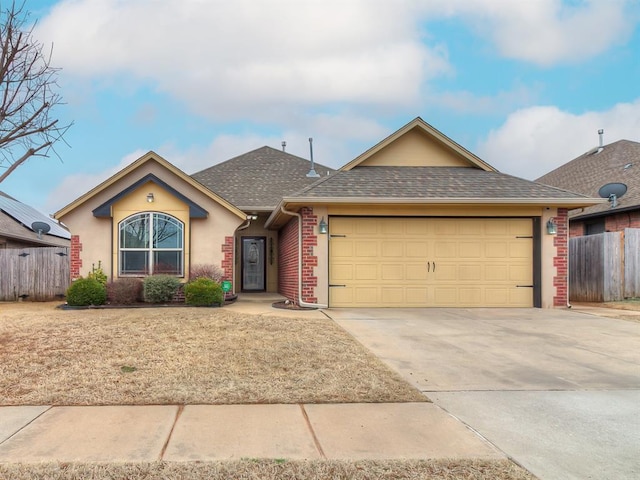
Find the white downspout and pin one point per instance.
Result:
(301, 302)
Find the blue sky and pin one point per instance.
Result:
(524, 84)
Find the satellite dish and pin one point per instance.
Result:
(40, 227)
(613, 191)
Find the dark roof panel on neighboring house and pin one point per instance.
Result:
(259, 179)
(430, 183)
(618, 162)
(16, 219)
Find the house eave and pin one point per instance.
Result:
(290, 203)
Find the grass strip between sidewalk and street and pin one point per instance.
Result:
(275, 469)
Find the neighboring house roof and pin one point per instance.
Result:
(150, 156)
(257, 180)
(618, 162)
(16, 219)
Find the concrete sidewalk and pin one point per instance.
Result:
(226, 432)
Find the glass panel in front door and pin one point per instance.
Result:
(253, 250)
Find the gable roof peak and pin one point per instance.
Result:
(433, 133)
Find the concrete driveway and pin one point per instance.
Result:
(556, 390)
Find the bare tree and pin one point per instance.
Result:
(28, 93)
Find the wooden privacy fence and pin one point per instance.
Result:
(38, 274)
(604, 267)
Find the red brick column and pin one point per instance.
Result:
(288, 260)
(76, 261)
(561, 260)
(227, 261)
(309, 260)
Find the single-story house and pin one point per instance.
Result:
(19, 222)
(610, 166)
(415, 221)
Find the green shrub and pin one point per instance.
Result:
(160, 288)
(86, 291)
(98, 274)
(124, 291)
(203, 291)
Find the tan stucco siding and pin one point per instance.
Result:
(416, 149)
(203, 237)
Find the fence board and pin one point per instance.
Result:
(34, 273)
(632, 263)
(604, 267)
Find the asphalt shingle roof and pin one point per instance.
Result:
(429, 182)
(618, 162)
(258, 180)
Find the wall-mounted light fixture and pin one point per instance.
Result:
(252, 216)
(322, 227)
(150, 197)
(552, 227)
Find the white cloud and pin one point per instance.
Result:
(77, 184)
(230, 59)
(533, 141)
(501, 103)
(546, 32)
(337, 139)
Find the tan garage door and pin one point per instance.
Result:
(430, 262)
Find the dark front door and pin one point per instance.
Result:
(253, 264)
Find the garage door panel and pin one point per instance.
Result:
(445, 250)
(366, 249)
(391, 296)
(390, 262)
(392, 272)
(392, 249)
(520, 250)
(470, 273)
(366, 272)
(416, 272)
(418, 250)
(470, 250)
(495, 249)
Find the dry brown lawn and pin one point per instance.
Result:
(272, 470)
(50, 356)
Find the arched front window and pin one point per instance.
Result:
(151, 243)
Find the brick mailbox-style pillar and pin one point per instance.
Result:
(561, 260)
(76, 261)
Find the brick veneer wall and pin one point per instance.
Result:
(622, 220)
(76, 260)
(612, 223)
(227, 260)
(561, 260)
(288, 260)
(309, 260)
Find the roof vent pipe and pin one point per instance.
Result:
(284, 145)
(601, 138)
(312, 172)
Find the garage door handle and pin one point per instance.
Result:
(434, 267)
(428, 266)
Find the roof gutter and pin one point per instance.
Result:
(301, 302)
(573, 202)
